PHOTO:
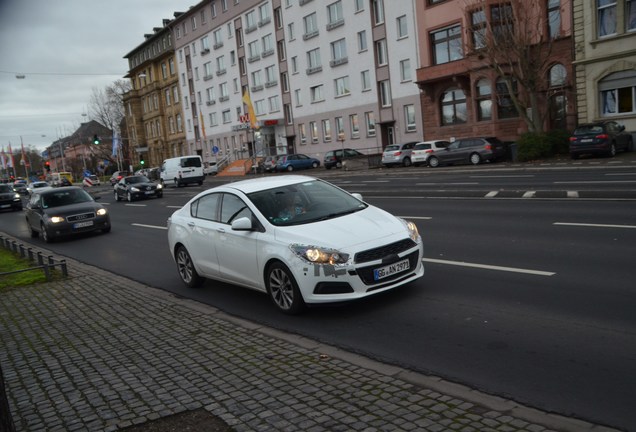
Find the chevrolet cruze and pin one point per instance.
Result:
(299, 239)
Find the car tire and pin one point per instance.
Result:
(433, 162)
(106, 230)
(116, 196)
(406, 162)
(314, 165)
(339, 164)
(612, 150)
(45, 234)
(283, 289)
(186, 269)
(290, 168)
(34, 233)
(475, 159)
(129, 197)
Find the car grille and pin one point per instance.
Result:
(80, 217)
(383, 251)
(366, 273)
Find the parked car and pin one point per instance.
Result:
(137, 187)
(603, 137)
(37, 186)
(423, 150)
(295, 162)
(469, 150)
(211, 168)
(269, 163)
(398, 154)
(299, 239)
(9, 198)
(65, 211)
(334, 158)
(117, 175)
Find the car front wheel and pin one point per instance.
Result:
(314, 165)
(45, 234)
(406, 162)
(433, 162)
(475, 159)
(283, 289)
(129, 197)
(116, 196)
(186, 269)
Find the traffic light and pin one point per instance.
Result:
(95, 139)
(48, 165)
(141, 161)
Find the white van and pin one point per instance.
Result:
(181, 171)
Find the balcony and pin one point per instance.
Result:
(221, 72)
(218, 45)
(335, 24)
(313, 70)
(210, 102)
(208, 77)
(310, 35)
(338, 62)
(205, 51)
(269, 84)
(224, 98)
(250, 28)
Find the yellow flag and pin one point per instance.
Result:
(250, 108)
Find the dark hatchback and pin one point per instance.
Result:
(137, 187)
(334, 158)
(9, 198)
(604, 138)
(65, 211)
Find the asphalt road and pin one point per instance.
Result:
(528, 296)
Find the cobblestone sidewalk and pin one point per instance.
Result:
(98, 352)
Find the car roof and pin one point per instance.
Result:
(264, 183)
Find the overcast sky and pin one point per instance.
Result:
(65, 48)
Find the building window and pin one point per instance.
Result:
(260, 107)
(291, 32)
(447, 45)
(554, 18)
(313, 132)
(505, 106)
(558, 111)
(338, 52)
(365, 79)
(274, 104)
(342, 86)
(378, 11)
(484, 100)
(369, 118)
(334, 13)
(453, 107)
(354, 126)
(409, 118)
(268, 45)
(298, 97)
(381, 52)
(326, 130)
(313, 61)
(227, 116)
(606, 17)
(362, 41)
(303, 133)
(311, 26)
(618, 93)
(340, 128)
(385, 93)
(630, 14)
(405, 70)
(317, 93)
(502, 20)
(359, 5)
(558, 75)
(478, 28)
(402, 29)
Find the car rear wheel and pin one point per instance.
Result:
(283, 289)
(34, 233)
(406, 162)
(186, 269)
(612, 150)
(314, 165)
(290, 168)
(475, 159)
(433, 162)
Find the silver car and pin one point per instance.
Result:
(398, 154)
(423, 150)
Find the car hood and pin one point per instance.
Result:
(144, 185)
(7, 195)
(72, 209)
(364, 229)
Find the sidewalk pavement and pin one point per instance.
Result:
(99, 352)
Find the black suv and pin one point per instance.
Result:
(469, 150)
(604, 137)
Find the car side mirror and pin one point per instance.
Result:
(242, 224)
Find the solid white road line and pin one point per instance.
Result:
(491, 194)
(136, 205)
(150, 226)
(490, 267)
(573, 194)
(594, 225)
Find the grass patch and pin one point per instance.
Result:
(11, 261)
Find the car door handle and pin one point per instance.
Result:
(221, 230)
(191, 224)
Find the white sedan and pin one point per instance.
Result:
(300, 239)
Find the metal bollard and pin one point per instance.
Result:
(40, 259)
(30, 251)
(64, 269)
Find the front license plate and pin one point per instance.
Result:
(5, 206)
(386, 271)
(149, 192)
(83, 224)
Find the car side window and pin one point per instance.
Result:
(206, 207)
(233, 208)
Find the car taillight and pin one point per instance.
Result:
(428, 151)
(397, 153)
(602, 136)
(572, 139)
(488, 146)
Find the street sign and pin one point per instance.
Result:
(215, 149)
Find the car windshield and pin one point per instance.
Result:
(137, 179)
(304, 203)
(392, 148)
(65, 197)
(589, 129)
(5, 188)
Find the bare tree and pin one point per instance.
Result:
(512, 38)
(106, 106)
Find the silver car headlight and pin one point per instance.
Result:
(101, 212)
(319, 255)
(56, 219)
(413, 232)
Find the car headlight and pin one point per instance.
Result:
(16, 196)
(413, 232)
(56, 219)
(134, 189)
(159, 186)
(101, 212)
(319, 255)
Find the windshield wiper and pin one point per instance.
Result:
(338, 214)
